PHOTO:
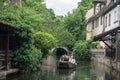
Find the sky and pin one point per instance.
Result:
(62, 7)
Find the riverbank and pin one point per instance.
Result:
(3, 73)
(100, 56)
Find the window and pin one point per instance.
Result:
(101, 22)
(92, 24)
(98, 22)
(109, 23)
(106, 21)
(114, 15)
(97, 9)
(95, 23)
(100, 7)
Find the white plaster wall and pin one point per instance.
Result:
(118, 12)
(97, 31)
(89, 25)
(89, 29)
(89, 13)
(108, 2)
(114, 23)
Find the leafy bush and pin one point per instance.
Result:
(27, 57)
(82, 50)
(95, 45)
(44, 41)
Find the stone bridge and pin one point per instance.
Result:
(59, 50)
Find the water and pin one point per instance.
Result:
(84, 71)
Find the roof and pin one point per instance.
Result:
(7, 27)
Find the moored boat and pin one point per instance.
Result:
(65, 65)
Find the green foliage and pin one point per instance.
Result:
(65, 38)
(31, 12)
(24, 35)
(51, 13)
(35, 14)
(82, 50)
(31, 16)
(44, 41)
(27, 57)
(75, 22)
(25, 52)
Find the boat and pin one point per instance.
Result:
(66, 65)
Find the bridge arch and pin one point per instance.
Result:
(59, 51)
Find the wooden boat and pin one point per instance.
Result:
(65, 65)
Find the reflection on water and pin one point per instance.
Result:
(84, 71)
(67, 74)
(49, 68)
(103, 72)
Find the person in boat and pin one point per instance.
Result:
(72, 59)
(64, 58)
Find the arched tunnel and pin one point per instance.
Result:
(60, 52)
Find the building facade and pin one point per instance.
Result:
(105, 23)
(89, 24)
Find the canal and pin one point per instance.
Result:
(84, 71)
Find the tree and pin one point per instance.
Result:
(25, 52)
(82, 50)
(75, 22)
(44, 41)
(65, 38)
(25, 18)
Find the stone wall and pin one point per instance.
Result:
(99, 56)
